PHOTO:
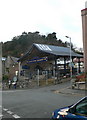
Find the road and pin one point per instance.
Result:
(36, 103)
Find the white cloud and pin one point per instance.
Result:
(60, 16)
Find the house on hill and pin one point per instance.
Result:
(10, 66)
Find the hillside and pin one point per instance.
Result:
(20, 44)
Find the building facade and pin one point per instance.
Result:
(0, 62)
(84, 30)
(9, 66)
(54, 59)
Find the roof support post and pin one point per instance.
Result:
(55, 69)
(79, 65)
(38, 77)
(65, 65)
(19, 64)
(55, 66)
(72, 66)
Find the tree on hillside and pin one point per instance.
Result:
(21, 44)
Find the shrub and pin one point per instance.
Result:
(5, 78)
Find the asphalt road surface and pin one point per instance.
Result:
(35, 103)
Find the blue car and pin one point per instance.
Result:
(77, 111)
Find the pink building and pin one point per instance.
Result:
(84, 28)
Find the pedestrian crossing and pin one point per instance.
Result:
(6, 113)
(1, 115)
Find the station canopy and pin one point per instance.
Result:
(43, 50)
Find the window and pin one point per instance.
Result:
(81, 108)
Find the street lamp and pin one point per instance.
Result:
(0, 76)
(0, 62)
(70, 57)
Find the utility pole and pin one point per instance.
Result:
(70, 57)
(0, 63)
(0, 76)
(38, 77)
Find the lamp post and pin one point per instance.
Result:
(0, 62)
(0, 76)
(70, 57)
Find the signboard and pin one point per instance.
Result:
(25, 67)
(71, 64)
(37, 59)
(14, 78)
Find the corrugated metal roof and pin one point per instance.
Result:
(56, 50)
(51, 49)
(15, 59)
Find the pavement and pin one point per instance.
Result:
(64, 90)
(70, 91)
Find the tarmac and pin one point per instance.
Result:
(70, 91)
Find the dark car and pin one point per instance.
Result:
(77, 111)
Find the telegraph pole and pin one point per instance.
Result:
(0, 76)
(0, 63)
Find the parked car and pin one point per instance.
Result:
(77, 111)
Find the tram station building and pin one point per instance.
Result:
(49, 59)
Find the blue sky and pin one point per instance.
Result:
(45, 16)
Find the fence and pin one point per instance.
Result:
(40, 78)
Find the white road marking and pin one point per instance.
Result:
(16, 90)
(5, 109)
(10, 112)
(16, 116)
(1, 115)
(8, 91)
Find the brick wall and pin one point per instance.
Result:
(0, 62)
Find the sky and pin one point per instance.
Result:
(45, 16)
